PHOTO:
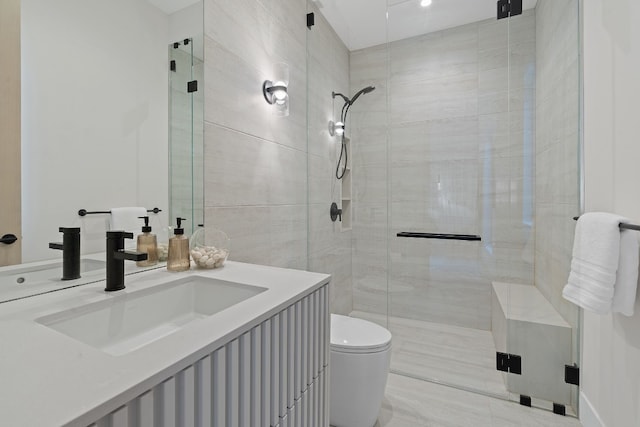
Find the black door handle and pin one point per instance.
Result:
(8, 239)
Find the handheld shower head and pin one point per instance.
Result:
(365, 90)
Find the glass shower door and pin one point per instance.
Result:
(186, 133)
(448, 196)
(541, 328)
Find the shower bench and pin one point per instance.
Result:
(525, 324)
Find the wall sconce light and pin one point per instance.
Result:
(275, 91)
(336, 129)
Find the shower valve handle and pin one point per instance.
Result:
(335, 212)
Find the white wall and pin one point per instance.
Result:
(611, 343)
(94, 115)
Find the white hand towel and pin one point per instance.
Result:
(624, 291)
(127, 219)
(596, 250)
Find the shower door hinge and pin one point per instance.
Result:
(572, 374)
(192, 86)
(559, 409)
(311, 20)
(507, 8)
(172, 65)
(511, 363)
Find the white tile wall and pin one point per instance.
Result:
(457, 158)
(269, 181)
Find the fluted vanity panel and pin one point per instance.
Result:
(272, 375)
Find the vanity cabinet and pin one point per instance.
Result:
(243, 345)
(273, 374)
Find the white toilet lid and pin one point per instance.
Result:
(357, 335)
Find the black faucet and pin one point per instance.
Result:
(70, 248)
(116, 255)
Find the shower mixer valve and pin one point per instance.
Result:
(335, 212)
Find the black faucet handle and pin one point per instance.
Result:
(119, 234)
(131, 255)
(69, 230)
(56, 245)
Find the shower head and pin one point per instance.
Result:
(365, 90)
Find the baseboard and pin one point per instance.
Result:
(588, 415)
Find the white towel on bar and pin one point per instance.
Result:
(127, 219)
(596, 254)
(624, 291)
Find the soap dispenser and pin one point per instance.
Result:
(178, 259)
(147, 243)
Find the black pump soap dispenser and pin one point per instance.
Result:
(178, 259)
(147, 243)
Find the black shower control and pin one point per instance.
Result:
(335, 212)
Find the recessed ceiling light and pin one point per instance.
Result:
(425, 3)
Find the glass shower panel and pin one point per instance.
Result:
(544, 86)
(186, 133)
(448, 175)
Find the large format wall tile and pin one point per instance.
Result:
(270, 180)
(456, 157)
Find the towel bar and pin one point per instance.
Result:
(623, 225)
(83, 212)
(443, 236)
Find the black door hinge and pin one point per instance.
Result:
(559, 409)
(511, 363)
(572, 374)
(507, 8)
(311, 20)
(172, 65)
(192, 86)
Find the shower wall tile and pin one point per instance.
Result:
(248, 229)
(440, 98)
(329, 251)
(256, 162)
(241, 170)
(329, 247)
(234, 91)
(369, 147)
(459, 159)
(288, 235)
(369, 64)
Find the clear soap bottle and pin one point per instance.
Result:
(147, 243)
(178, 259)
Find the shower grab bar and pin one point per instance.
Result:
(623, 225)
(442, 236)
(83, 212)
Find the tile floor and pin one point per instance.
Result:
(448, 354)
(460, 356)
(414, 403)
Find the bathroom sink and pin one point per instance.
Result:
(132, 320)
(33, 274)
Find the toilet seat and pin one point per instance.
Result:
(351, 335)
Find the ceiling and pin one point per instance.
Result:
(171, 6)
(363, 23)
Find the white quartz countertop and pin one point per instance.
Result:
(50, 379)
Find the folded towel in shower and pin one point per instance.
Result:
(127, 218)
(624, 291)
(596, 255)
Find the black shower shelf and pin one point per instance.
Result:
(467, 237)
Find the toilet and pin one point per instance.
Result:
(359, 364)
